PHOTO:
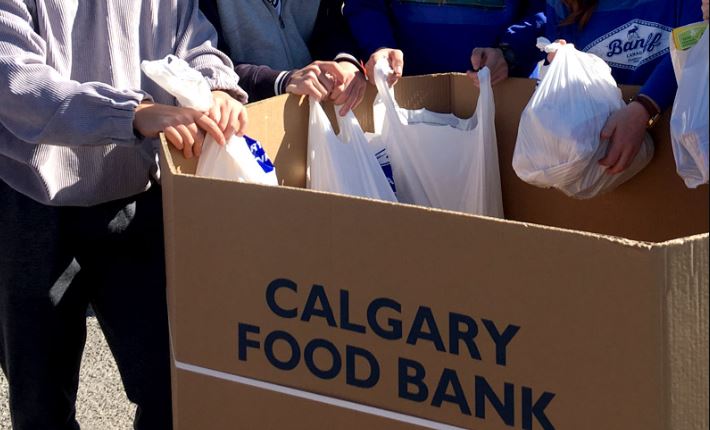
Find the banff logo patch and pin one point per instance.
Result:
(632, 45)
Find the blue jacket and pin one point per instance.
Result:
(435, 35)
(632, 36)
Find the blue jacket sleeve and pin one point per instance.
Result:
(370, 25)
(661, 85)
(521, 38)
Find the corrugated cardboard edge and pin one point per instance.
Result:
(685, 310)
(168, 173)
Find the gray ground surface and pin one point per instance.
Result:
(102, 403)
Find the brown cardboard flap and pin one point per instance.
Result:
(685, 303)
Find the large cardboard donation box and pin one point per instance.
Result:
(295, 309)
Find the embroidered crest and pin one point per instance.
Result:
(632, 45)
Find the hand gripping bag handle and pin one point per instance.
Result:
(385, 92)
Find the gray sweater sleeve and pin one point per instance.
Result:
(197, 41)
(40, 106)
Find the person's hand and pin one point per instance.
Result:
(705, 8)
(183, 127)
(491, 58)
(394, 57)
(625, 130)
(551, 55)
(316, 80)
(350, 92)
(229, 114)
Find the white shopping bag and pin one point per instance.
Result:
(343, 164)
(439, 160)
(242, 158)
(689, 119)
(559, 142)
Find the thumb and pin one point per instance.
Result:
(477, 60)
(608, 130)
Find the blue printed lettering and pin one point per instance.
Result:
(295, 350)
(449, 378)
(351, 378)
(465, 335)
(345, 323)
(271, 297)
(243, 343)
(425, 316)
(501, 340)
(536, 410)
(394, 327)
(406, 380)
(336, 362)
(505, 409)
(317, 295)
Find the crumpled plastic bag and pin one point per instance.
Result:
(343, 163)
(559, 144)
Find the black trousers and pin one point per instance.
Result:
(54, 262)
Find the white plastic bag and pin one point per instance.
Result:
(183, 82)
(559, 142)
(242, 158)
(343, 164)
(689, 119)
(439, 160)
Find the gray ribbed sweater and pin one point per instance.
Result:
(70, 80)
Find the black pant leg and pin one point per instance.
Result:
(128, 269)
(42, 320)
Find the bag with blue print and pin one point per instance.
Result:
(242, 158)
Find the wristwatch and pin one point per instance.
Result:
(653, 112)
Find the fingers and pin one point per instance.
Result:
(333, 69)
(474, 77)
(326, 82)
(477, 59)
(243, 119)
(173, 137)
(223, 121)
(499, 74)
(208, 125)
(608, 129)
(346, 100)
(314, 88)
(215, 111)
(396, 60)
(350, 95)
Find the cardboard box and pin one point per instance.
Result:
(295, 309)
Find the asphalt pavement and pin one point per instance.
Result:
(102, 403)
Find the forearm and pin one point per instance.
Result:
(661, 86)
(520, 38)
(261, 82)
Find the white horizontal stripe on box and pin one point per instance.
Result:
(370, 410)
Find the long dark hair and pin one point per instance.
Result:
(580, 11)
